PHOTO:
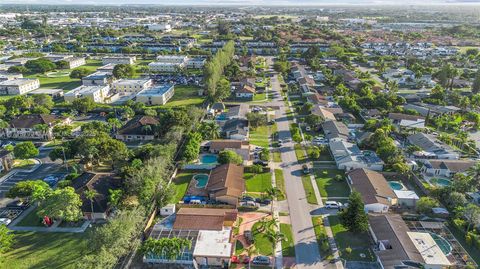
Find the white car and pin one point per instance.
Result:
(333, 205)
(5, 221)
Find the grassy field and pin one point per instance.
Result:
(300, 153)
(45, 250)
(329, 186)
(288, 247)
(180, 184)
(308, 187)
(277, 156)
(280, 183)
(259, 182)
(259, 136)
(18, 163)
(321, 235)
(185, 96)
(64, 82)
(359, 243)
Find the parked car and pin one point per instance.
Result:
(5, 221)
(18, 204)
(260, 162)
(247, 198)
(261, 260)
(248, 203)
(333, 205)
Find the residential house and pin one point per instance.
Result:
(398, 247)
(407, 121)
(431, 148)
(157, 95)
(98, 94)
(19, 86)
(245, 92)
(226, 183)
(446, 168)
(348, 156)
(140, 128)
(28, 126)
(325, 114)
(335, 130)
(101, 184)
(236, 128)
(377, 195)
(241, 147)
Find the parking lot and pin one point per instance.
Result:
(48, 169)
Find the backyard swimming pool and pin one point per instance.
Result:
(395, 185)
(208, 159)
(442, 243)
(440, 182)
(201, 179)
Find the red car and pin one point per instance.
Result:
(240, 259)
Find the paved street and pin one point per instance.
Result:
(306, 248)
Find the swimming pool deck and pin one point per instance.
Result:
(192, 189)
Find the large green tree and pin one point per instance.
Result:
(61, 204)
(7, 238)
(354, 217)
(25, 150)
(229, 156)
(123, 71)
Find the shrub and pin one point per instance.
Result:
(348, 250)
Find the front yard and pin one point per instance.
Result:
(258, 182)
(280, 183)
(358, 243)
(288, 247)
(45, 250)
(321, 235)
(259, 136)
(309, 192)
(329, 186)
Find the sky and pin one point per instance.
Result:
(239, 2)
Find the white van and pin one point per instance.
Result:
(333, 205)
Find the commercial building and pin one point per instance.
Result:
(158, 95)
(131, 85)
(118, 60)
(97, 93)
(19, 86)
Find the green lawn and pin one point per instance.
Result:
(328, 185)
(260, 97)
(92, 65)
(308, 187)
(300, 153)
(263, 245)
(258, 182)
(45, 250)
(64, 83)
(280, 182)
(180, 184)
(277, 156)
(185, 96)
(288, 247)
(18, 163)
(321, 235)
(259, 136)
(359, 243)
(31, 220)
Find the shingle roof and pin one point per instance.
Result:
(30, 120)
(101, 183)
(400, 116)
(335, 129)
(225, 143)
(391, 230)
(372, 186)
(452, 165)
(134, 126)
(226, 180)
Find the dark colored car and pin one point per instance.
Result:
(305, 169)
(261, 260)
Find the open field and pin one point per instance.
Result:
(328, 185)
(258, 182)
(185, 96)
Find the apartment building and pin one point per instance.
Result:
(158, 95)
(19, 86)
(131, 85)
(97, 93)
(119, 60)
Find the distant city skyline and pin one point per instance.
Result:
(240, 2)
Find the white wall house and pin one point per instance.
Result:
(131, 85)
(158, 95)
(19, 86)
(97, 79)
(166, 66)
(97, 93)
(119, 60)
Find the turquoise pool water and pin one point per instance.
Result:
(442, 243)
(441, 182)
(201, 179)
(208, 159)
(395, 185)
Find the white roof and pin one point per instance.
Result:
(18, 81)
(213, 244)
(138, 82)
(406, 195)
(428, 248)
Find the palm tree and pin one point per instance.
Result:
(90, 195)
(146, 129)
(275, 237)
(272, 193)
(474, 171)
